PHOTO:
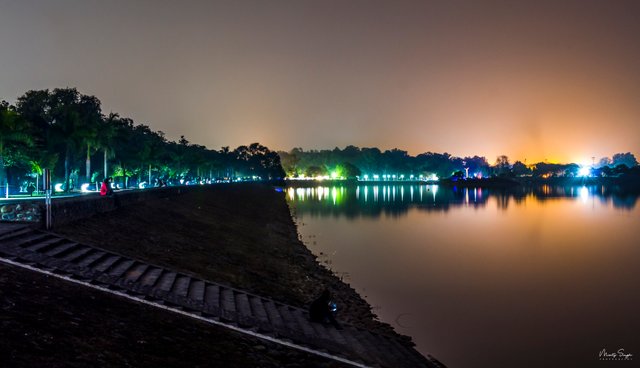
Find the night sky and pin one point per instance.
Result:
(556, 80)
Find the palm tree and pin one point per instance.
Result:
(91, 117)
(106, 134)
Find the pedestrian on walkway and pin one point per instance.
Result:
(105, 189)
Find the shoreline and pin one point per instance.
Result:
(628, 183)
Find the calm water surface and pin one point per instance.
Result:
(544, 277)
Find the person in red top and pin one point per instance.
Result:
(105, 189)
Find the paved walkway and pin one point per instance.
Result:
(237, 309)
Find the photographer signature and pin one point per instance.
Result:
(618, 355)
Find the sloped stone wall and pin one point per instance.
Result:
(72, 209)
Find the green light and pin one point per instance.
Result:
(334, 175)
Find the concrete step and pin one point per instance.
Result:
(181, 285)
(150, 277)
(321, 331)
(90, 258)
(258, 308)
(43, 245)
(242, 303)
(196, 291)
(166, 280)
(29, 239)
(118, 268)
(273, 314)
(79, 252)
(289, 320)
(12, 232)
(212, 295)
(227, 300)
(105, 262)
(336, 335)
(303, 321)
(60, 250)
(135, 272)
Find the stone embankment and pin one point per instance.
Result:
(172, 245)
(220, 303)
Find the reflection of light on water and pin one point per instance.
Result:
(375, 193)
(584, 194)
(434, 189)
(300, 193)
(334, 194)
(546, 190)
(411, 192)
(292, 194)
(402, 194)
(366, 192)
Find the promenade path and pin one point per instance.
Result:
(206, 300)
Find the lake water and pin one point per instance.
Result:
(535, 277)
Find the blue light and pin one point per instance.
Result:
(584, 171)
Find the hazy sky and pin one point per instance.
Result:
(558, 80)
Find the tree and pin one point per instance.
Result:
(290, 162)
(478, 166)
(73, 119)
(90, 119)
(502, 165)
(627, 159)
(348, 170)
(14, 138)
(520, 169)
(315, 171)
(605, 161)
(66, 123)
(124, 152)
(105, 141)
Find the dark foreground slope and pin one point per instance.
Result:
(242, 235)
(45, 322)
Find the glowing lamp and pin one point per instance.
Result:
(58, 187)
(584, 171)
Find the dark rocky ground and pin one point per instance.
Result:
(242, 235)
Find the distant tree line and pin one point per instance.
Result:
(353, 161)
(67, 132)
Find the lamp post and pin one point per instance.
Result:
(46, 185)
